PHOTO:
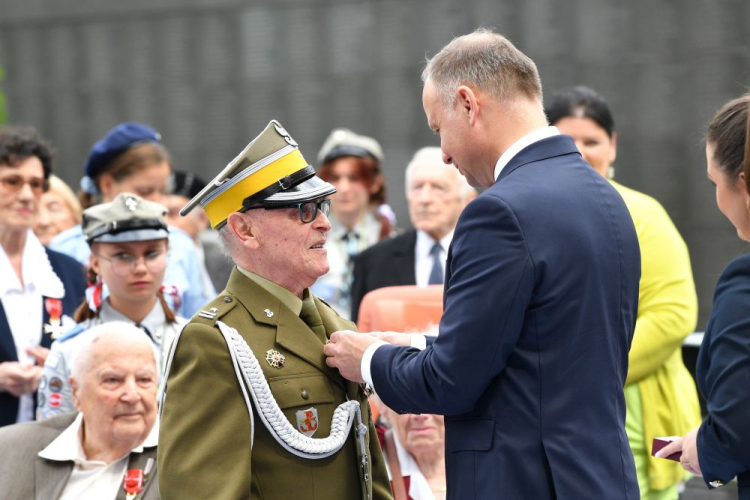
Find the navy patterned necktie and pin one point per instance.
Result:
(436, 275)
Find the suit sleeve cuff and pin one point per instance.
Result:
(419, 341)
(367, 359)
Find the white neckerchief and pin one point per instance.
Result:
(423, 257)
(36, 270)
(23, 304)
(516, 147)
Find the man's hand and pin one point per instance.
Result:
(689, 447)
(345, 352)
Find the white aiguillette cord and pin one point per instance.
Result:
(247, 368)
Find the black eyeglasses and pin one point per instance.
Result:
(308, 210)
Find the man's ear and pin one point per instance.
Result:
(244, 229)
(467, 103)
(75, 393)
(742, 181)
(613, 153)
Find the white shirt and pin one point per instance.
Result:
(23, 304)
(91, 479)
(515, 148)
(423, 256)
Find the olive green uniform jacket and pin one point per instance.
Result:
(204, 438)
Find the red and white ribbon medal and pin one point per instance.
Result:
(133, 483)
(54, 308)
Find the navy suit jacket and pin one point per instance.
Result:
(73, 277)
(540, 304)
(723, 376)
(389, 262)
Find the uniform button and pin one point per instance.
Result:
(305, 394)
(227, 300)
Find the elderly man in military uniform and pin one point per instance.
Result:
(250, 408)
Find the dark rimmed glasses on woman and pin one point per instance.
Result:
(14, 183)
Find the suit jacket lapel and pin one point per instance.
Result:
(140, 461)
(332, 323)
(404, 267)
(50, 477)
(7, 346)
(294, 335)
(291, 332)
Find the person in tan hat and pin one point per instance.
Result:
(353, 164)
(129, 245)
(250, 409)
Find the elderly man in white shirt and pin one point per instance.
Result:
(108, 449)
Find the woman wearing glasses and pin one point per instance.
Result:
(128, 240)
(39, 288)
(132, 159)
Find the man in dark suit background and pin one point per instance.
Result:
(437, 193)
(541, 294)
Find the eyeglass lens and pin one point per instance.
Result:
(309, 210)
(15, 183)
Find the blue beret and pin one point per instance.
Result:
(122, 137)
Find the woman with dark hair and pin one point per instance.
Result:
(131, 158)
(39, 288)
(660, 394)
(719, 448)
(353, 164)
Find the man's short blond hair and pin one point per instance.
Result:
(486, 61)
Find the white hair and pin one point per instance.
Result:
(433, 156)
(126, 333)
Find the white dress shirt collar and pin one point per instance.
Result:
(425, 242)
(68, 446)
(423, 260)
(36, 270)
(155, 320)
(516, 147)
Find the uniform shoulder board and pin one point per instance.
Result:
(71, 333)
(215, 309)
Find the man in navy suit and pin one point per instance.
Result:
(541, 292)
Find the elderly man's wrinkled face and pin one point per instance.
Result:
(290, 252)
(419, 433)
(117, 393)
(434, 195)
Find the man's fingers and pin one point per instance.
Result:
(672, 447)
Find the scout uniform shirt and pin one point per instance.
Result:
(205, 436)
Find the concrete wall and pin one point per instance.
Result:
(209, 74)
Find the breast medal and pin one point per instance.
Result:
(54, 308)
(133, 483)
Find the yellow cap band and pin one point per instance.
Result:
(230, 201)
